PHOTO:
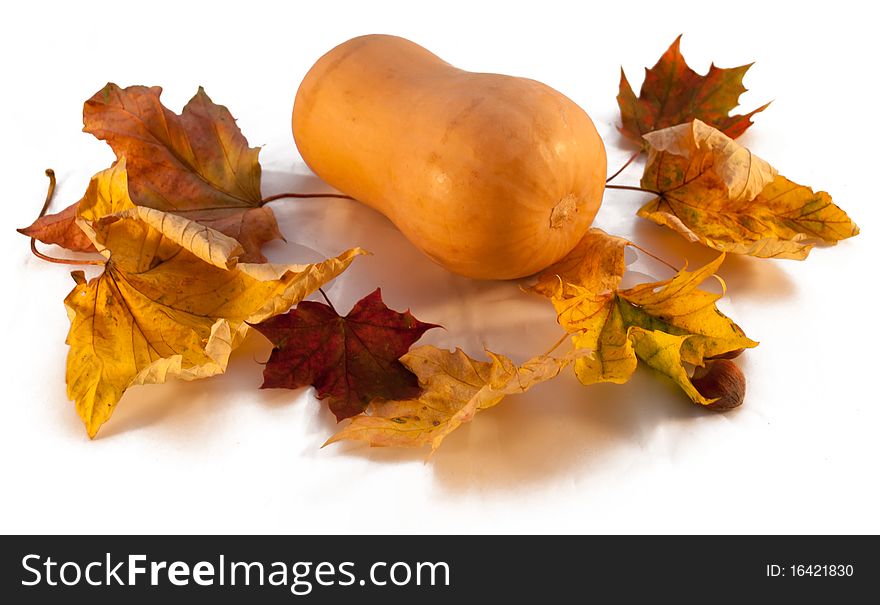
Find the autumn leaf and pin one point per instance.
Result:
(454, 388)
(349, 360)
(60, 229)
(197, 165)
(716, 192)
(673, 93)
(172, 300)
(666, 324)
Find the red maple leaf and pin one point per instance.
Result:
(673, 94)
(349, 360)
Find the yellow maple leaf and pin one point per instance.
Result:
(665, 324)
(172, 300)
(455, 387)
(716, 192)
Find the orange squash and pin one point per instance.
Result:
(492, 176)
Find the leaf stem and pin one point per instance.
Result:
(562, 339)
(61, 261)
(50, 193)
(655, 257)
(631, 159)
(633, 188)
(324, 294)
(280, 196)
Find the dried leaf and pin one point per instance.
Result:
(197, 165)
(716, 192)
(60, 229)
(454, 388)
(663, 352)
(349, 360)
(673, 93)
(172, 300)
(665, 324)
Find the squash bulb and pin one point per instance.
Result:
(492, 176)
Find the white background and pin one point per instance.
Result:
(222, 456)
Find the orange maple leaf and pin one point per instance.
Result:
(197, 165)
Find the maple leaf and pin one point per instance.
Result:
(673, 93)
(716, 192)
(349, 360)
(196, 164)
(60, 229)
(665, 324)
(454, 388)
(172, 300)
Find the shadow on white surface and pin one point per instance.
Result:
(745, 276)
(536, 436)
(527, 439)
(185, 412)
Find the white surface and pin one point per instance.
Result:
(222, 456)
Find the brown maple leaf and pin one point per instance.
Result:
(60, 229)
(197, 165)
(349, 360)
(673, 93)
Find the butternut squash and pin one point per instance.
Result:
(492, 176)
